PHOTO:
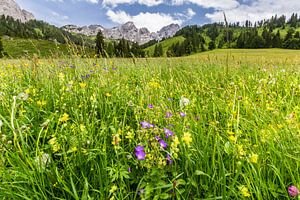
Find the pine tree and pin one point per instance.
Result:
(100, 45)
(1, 48)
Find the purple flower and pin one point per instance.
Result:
(168, 115)
(141, 191)
(162, 143)
(129, 170)
(140, 153)
(150, 106)
(114, 68)
(182, 114)
(168, 132)
(146, 125)
(169, 159)
(170, 99)
(157, 138)
(293, 191)
(139, 148)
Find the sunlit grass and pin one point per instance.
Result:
(70, 128)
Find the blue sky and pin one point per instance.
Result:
(154, 14)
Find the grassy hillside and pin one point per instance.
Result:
(17, 47)
(166, 44)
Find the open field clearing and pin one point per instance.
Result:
(217, 125)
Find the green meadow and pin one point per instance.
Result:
(222, 124)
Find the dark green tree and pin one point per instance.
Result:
(276, 41)
(211, 45)
(1, 48)
(100, 45)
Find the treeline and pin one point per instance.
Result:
(121, 48)
(261, 34)
(39, 30)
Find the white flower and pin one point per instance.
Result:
(22, 96)
(42, 161)
(184, 102)
(1, 123)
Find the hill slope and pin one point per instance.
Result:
(18, 47)
(165, 44)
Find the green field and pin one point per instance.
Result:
(165, 44)
(19, 48)
(218, 125)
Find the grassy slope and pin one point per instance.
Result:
(17, 47)
(265, 57)
(166, 44)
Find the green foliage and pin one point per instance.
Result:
(1, 48)
(69, 128)
(100, 45)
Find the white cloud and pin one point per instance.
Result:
(257, 10)
(114, 3)
(92, 1)
(152, 21)
(216, 4)
(58, 16)
(190, 13)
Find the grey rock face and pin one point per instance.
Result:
(11, 8)
(127, 31)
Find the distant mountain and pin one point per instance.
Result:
(127, 31)
(11, 8)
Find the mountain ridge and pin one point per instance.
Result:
(11, 8)
(127, 31)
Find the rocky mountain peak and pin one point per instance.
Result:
(11, 8)
(127, 31)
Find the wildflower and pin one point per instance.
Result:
(244, 190)
(253, 158)
(54, 144)
(187, 138)
(108, 94)
(64, 118)
(41, 103)
(232, 138)
(146, 125)
(23, 96)
(116, 140)
(140, 153)
(293, 191)
(168, 132)
(82, 85)
(169, 159)
(129, 170)
(184, 102)
(42, 161)
(162, 143)
(113, 189)
(150, 106)
(168, 115)
(182, 114)
(129, 136)
(1, 123)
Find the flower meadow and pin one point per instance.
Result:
(149, 129)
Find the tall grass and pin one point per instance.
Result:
(70, 128)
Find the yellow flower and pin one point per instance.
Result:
(244, 190)
(55, 146)
(41, 103)
(254, 158)
(116, 140)
(232, 138)
(113, 189)
(108, 94)
(129, 136)
(187, 138)
(64, 118)
(82, 85)
(154, 85)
